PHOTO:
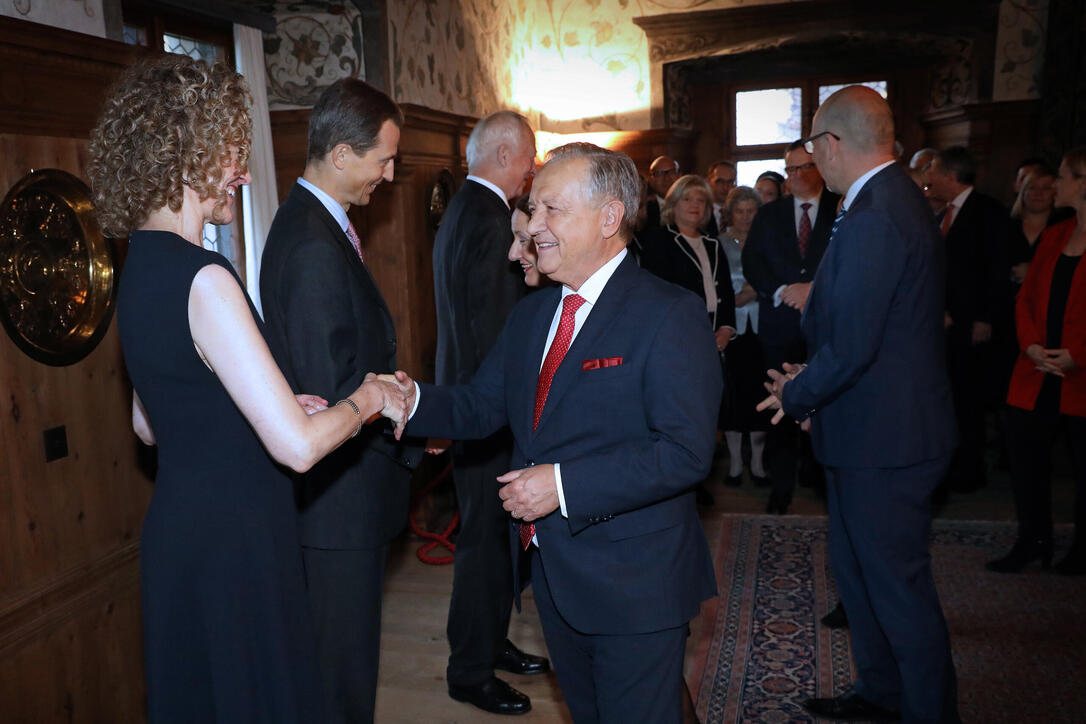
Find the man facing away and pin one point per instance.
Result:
(876, 395)
(610, 383)
(326, 323)
(475, 288)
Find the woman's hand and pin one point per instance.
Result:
(723, 336)
(311, 403)
(1059, 361)
(389, 399)
(745, 296)
(1018, 272)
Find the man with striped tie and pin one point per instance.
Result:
(327, 324)
(876, 395)
(610, 383)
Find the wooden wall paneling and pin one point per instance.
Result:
(290, 137)
(69, 601)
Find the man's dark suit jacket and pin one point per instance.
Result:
(771, 259)
(663, 255)
(977, 262)
(327, 326)
(632, 440)
(475, 285)
(876, 384)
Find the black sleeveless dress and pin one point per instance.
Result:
(226, 626)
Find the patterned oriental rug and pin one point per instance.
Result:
(1019, 640)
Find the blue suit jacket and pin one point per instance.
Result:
(632, 440)
(876, 384)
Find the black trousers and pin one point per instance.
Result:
(482, 593)
(966, 365)
(345, 596)
(787, 448)
(1031, 436)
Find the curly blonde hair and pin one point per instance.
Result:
(168, 122)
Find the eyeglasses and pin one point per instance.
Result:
(793, 170)
(808, 143)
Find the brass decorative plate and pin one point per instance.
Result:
(56, 269)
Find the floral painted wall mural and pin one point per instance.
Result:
(316, 42)
(1020, 49)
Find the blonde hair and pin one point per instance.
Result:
(168, 123)
(689, 182)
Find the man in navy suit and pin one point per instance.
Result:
(611, 384)
(782, 253)
(876, 395)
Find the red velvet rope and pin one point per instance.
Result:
(433, 539)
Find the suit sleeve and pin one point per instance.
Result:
(321, 345)
(681, 388)
(470, 411)
(756, 264)
(491, 285)
(869, 260)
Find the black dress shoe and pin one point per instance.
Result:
(776, 506)
(1074, 564)
(849, 707)
(1022, 554)
(760, 481)
(734, 481)
(516, 661)
(494, 696)
(835, 618)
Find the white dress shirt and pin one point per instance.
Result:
(956, 205)
(329, 203)
(798, 210)
(859, 183)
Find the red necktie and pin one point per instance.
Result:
(948, 219)
(559, 347)
(804, 235)
(352, 235)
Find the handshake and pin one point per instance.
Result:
(389, 395)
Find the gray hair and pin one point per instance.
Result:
(611, 175)
(741, 193)
(497, 128)
(689, 182)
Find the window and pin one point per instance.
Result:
(767, 117)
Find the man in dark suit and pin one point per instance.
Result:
(611, 384)
(877, 400)
(663, 171)
(326, 323)
(475, 288)
(978, 288)
(783, 250)
(721, 180)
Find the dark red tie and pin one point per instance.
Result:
(352, 235)
(804, 235)
(559, 347)
(948, 219)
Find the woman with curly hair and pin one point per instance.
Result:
(227, 636)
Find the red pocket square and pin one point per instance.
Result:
(595, 364)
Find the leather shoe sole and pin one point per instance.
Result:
(849, 707)
(516, 661)
(835, 618)
(493, 695)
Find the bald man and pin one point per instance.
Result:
(475, 288)
(663, 171)
(876, 396)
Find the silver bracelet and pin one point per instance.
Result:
(358, 413)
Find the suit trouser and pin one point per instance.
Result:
(880, 521)
(966, 365)
(786, 445)
(612, 679)
(1031, 436)
(345, 595)
(482, 593)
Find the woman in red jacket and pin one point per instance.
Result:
(1048, 389)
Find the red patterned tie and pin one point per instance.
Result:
(559, 347)
(804, 234)
(352, 235)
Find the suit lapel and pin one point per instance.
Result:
(603, 313)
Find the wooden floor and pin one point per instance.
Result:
(414, 651)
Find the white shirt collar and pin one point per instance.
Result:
(960, 198)
(328, 202)
(593, 286)
(858, 184)
(492, 187)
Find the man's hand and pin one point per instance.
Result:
(311, 403)
(948, 321)
(982, 332)
(407, 386)
(1019, 271)
(795, 295)
(723, 336)
(775, 388)
(745, 296)
(395, 403)
(529, 493)
(436, 445)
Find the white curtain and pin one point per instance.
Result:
(260, 199)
